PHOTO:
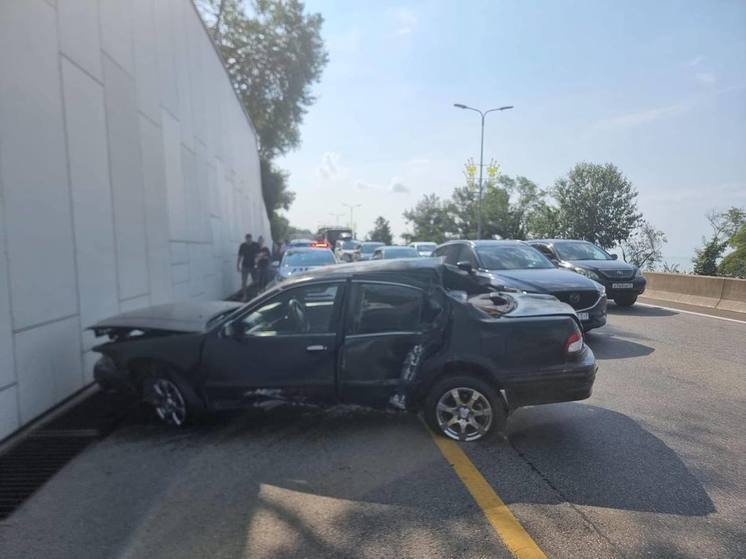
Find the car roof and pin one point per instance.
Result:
(485, 242)
(415, 271)
(372, 243)
(553, 241)
(296, 250)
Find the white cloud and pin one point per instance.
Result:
(696, 61)
(360, 185)
(330, 168)
(706, 78)
(405, 20)
(630, 120)
(398, 187)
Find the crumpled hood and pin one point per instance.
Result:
(185, 316)
(545, 280)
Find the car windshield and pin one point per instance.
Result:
(400, 252)
(367, 248)
(580, 251)
(512, 257)
(318, 257)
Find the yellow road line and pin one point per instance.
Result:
(513, 535)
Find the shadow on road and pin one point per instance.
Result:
(597, 457)
(638, 310)
(609, 346)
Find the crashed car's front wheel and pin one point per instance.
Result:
(170, 399)
(465, 408)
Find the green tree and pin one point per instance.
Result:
(381, 231)
(596, 203)
(274, 53)
(644, 248)
(725, 227)
(734, 264)
(496, 212)
(431, 220)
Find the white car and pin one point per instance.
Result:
(424, 248)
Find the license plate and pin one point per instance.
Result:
(583, 315)
(622, 286)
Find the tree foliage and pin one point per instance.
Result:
(431, 220)
(274, 53)
(381, 231)
(596, 203)
(734, 264)
(644, 248)
(726, 230)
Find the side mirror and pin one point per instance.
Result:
(230, 331)
(465, 266)
(614, 256)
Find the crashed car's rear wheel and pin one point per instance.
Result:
(171, 400)
(465, 409)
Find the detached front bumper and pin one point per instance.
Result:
(566, 383)
(110, 378)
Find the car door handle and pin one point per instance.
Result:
(316, 348)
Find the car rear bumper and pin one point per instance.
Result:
(570, 382)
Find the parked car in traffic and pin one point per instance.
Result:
(347, 250)
(302, 259)
(367, 248)
(517, 265)
(623, 282)
(408, 334)
(424, 248)
(391, 252)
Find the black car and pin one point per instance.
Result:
(517, 265)
(409, 334)
(623, 282)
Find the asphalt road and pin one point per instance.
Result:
(653, 464)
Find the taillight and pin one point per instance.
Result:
(574, 344)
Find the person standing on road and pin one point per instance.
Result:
(245, 264)
(261, 272)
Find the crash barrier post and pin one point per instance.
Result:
(704, 291)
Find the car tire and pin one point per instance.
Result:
(625, 300)
(172, 400)
(465, 408)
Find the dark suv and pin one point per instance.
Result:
(623, 282)
(515, 264)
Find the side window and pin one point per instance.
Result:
(544, 249)
(466, 254)
(379, 308)
(450, 252)
(301, 310)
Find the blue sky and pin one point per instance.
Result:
(657, 88)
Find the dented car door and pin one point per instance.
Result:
(383, 341)
(284, 347)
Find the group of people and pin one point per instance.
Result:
(254, 261)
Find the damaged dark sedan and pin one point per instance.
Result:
(412, 334)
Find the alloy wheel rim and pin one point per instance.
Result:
(464, 414)
(169, 404)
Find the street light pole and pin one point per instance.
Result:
(336, 217)
(352, 209)
(482, 114)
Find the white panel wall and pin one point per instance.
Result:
(127, 168)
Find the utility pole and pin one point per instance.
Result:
(352, 209)
(482, 114)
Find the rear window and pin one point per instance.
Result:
(316, 257)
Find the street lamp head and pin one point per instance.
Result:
(505, 108)
(459, 106)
